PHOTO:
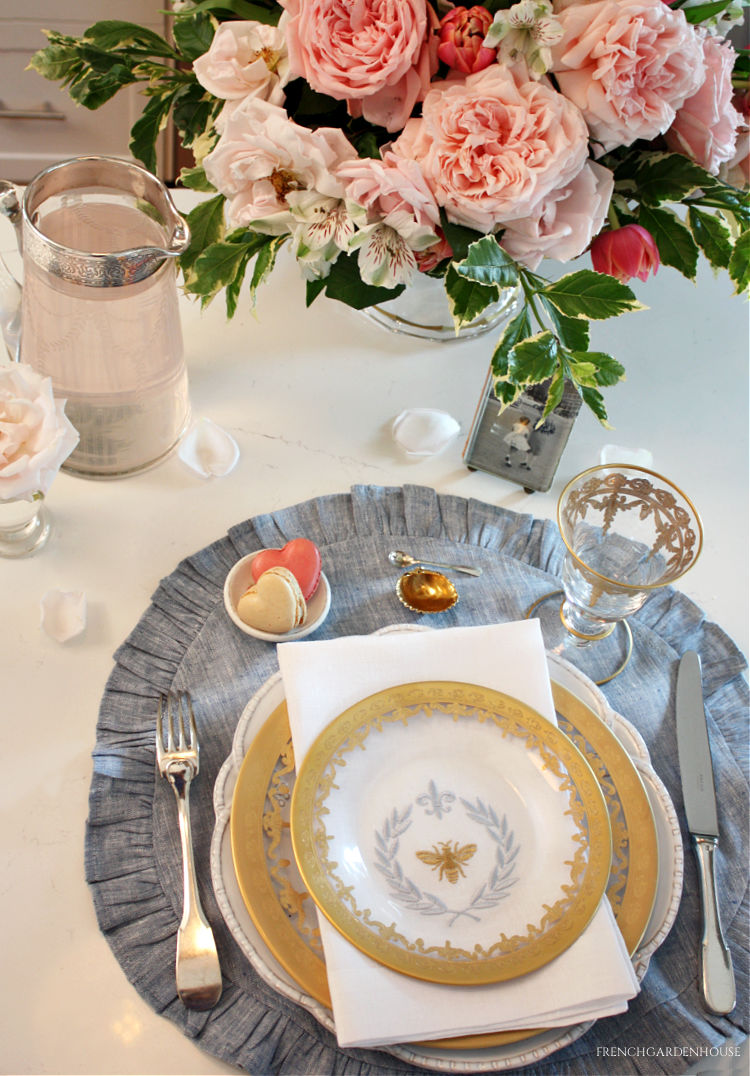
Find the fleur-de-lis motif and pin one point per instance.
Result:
(434, 802)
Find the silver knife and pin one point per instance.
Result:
(699, 794)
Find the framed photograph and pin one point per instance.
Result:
(515, 443)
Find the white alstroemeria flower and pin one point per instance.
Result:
(525, 31)
(387, 249)
(322, 227)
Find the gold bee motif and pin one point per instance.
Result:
(448, 859)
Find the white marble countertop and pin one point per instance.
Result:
(309, 396)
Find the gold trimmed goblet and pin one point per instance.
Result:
(627, 532)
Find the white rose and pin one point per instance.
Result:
(35, 434)
(245, 58)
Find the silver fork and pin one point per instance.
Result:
(197, 968)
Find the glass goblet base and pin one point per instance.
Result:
(600, 659)
(24, 527)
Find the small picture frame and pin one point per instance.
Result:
(515, 443)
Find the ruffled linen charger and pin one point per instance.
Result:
(184, 639)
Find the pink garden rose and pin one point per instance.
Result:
(391, 185)
(705, 128)
(566, 221)
(491, 147)
(462, 32)
(628, 65)
(262, 155)
(377, 55)
(245, 58)
(625, 252)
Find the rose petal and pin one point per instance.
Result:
(422, 431)
(63, 614)
(637, 457)
(209, 450)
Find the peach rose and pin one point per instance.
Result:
(245, 58)
(628, 65)
(376, 55)
(262, 155)
(493, 146)
(705, 128)
(566, 222)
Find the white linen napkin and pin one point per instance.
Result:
(373, 1005)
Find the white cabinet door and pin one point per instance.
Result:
(39, 123)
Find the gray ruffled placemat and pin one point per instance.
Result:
(185, 639)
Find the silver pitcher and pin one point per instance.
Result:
(99, 307)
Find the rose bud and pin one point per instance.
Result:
(625, 252)
(462, 32)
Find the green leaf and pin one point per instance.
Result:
(264, 262)
(467, 298)
(240, 9)
(206, 224)
(459, 237)
(586, 294)
(535, 359)
(314, 288)
(344, 283)
(218, 265)
(701, 12)
(195, 179)
(676, 245)
(554, 392)
(594, 399)
(607, 370)
(193, 35)
(517, 329)
(193, 110)
(739, 263)
(712, 236)
(145, 131)
(582, 372)
(110, 34)
(57, 62)
(667, 177)
(487, 263)
(573, 333)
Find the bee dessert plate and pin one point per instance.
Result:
(451, 832)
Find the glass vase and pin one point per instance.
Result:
(24, 526)
(423, 310)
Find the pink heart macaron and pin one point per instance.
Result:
(300, 556)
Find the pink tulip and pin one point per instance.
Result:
(625, 252)
(462, 32)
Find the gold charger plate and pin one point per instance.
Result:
(284, 914)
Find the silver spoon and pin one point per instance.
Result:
(404, 560)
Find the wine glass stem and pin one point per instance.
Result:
(582, 627)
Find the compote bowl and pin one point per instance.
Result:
(627, 532)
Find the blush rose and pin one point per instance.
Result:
(566, 221)
(262, 156)
(36, 436)
(628, 65)
(494, 145)
(376, 55)
(245, 58)
(705, 128)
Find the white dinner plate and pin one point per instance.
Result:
(493, 1058)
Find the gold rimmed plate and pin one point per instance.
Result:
(272, 892)
(451, 833)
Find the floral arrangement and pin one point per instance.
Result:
(384, 138)
(36, 436)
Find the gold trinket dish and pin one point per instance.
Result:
(425, 591)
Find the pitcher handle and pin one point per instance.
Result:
(10, 207)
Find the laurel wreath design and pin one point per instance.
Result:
(495, 888)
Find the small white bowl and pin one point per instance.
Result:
(238, 580)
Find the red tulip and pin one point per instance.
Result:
(625, 252)
(462, 32)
